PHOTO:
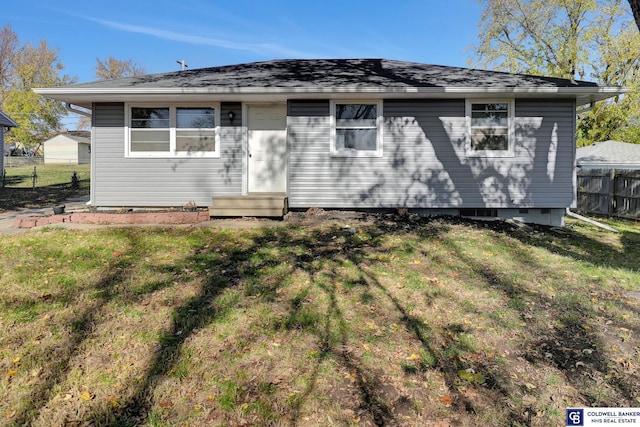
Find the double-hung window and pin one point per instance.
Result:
(150, 130)
(356, 129)
(490, 128)
(195, 130)
(172, 131)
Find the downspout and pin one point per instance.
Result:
(587, 108)
(71, 108)
(590, 221)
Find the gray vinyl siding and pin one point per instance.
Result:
(236, 109)
(308, 108)
(424, 163)
(119, 181)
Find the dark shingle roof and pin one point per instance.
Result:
(332, 73)
(281, 80)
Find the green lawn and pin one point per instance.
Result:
(53, 185)
(404, 322)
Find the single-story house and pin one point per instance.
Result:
(609, 155)
(5, 123)
(71, 148)
(336, 133)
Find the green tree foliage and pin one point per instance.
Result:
(22, 68)
(618, 65)
(540, 37)
(574, 39)
(112, 68)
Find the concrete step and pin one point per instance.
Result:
(255, 205)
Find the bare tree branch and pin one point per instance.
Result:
(635, 8)
(112, 68)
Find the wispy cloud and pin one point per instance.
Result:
(266, 49)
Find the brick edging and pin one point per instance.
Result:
(35, 220)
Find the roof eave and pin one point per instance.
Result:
(85, 96)
(7, 121)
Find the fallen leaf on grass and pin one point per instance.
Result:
(10, 414)
(166, 404)
(470, 376)
(112, 400)
(85, 395)
(16, 360)
(465, 375)
(435, 281)
(446, 399)
(11, 373)
(471, 393)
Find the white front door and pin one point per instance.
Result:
(267, 148)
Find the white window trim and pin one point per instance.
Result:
(510, 130)
(354, 153)
(172, 153)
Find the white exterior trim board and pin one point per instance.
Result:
(84, 96)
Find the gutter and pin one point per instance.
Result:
(84, 96)
(222, 90)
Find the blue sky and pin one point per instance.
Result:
(204, 33)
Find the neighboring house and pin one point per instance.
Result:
(608, 175)
(5, 124)
(71, 148)
(8, 148)
(343, 133)
(609, 155)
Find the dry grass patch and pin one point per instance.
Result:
(407, 321)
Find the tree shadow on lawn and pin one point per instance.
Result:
(575, 245)
(319, 253)
(242, 269)
(572, 336)
(571, 243)
(58, 357)
(12, 199)
(376, 400)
